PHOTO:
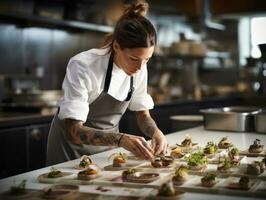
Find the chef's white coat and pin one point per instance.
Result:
(84, 82)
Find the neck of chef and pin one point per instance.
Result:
(116, 61)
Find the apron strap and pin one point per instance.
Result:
(131, 89)
(109, 73)
(109, 76)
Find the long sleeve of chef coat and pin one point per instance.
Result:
(75, 86)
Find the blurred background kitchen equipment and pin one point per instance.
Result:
(239, 119)
(43, 101)
(260, 121)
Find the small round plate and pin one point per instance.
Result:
(143, 177)
(60, 191)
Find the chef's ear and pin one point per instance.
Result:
(116, 46)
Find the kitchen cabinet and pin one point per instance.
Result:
(36, 145)
(13, 151)
(23, 149)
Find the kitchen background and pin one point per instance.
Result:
(209, 54)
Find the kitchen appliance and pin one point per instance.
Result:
(44, 101)
(260, 119)
(239, 119)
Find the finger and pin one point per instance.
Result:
(146, 145)
(165, 148)
(146, 152)
(139, 153)
(153, 144)
(159, 149)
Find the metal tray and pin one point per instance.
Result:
(239, 119)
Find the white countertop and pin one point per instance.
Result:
(198, 134)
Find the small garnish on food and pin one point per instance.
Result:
(85, 161)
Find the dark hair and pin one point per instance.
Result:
(133, 29)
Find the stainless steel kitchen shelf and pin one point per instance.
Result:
(32, 20)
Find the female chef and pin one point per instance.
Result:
(99, 85)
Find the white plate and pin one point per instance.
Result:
(115, 179)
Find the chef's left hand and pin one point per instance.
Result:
(158, 142)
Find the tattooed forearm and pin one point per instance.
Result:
(80, 134)
(145, 122)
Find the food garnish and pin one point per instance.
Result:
(54, 173)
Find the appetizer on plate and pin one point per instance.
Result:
(119, 159)
(208, 180)
(242, 184)
(167, 189)
(224, 143)
(85, 161)
(197, 161)
(19, 189)
(162, 161)
(224, 164)
(256, 147)
(53, 176)
(89, 173)
(233, 154)
(54, 173)
(177, 152)
(181, 174)
(255, 168)
(156, 162)
(128, 172)
(187, 142)
(210, 149)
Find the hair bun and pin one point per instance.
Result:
(138, 7)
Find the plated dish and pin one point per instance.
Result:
(256, 147)
(89, 173)
(85, 161)
(181, 175)
(224, 143)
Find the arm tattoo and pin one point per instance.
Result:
(146, 123)
(86, 135)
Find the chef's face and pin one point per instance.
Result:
(131, 60)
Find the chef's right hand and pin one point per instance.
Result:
(137, 145)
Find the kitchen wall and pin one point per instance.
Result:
(45, 51)
(42, 51)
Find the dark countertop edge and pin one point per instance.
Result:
(27, 120)
(239, 97)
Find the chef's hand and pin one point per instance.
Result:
(158, 142)
(137, 145)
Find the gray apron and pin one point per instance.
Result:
(105, 114)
